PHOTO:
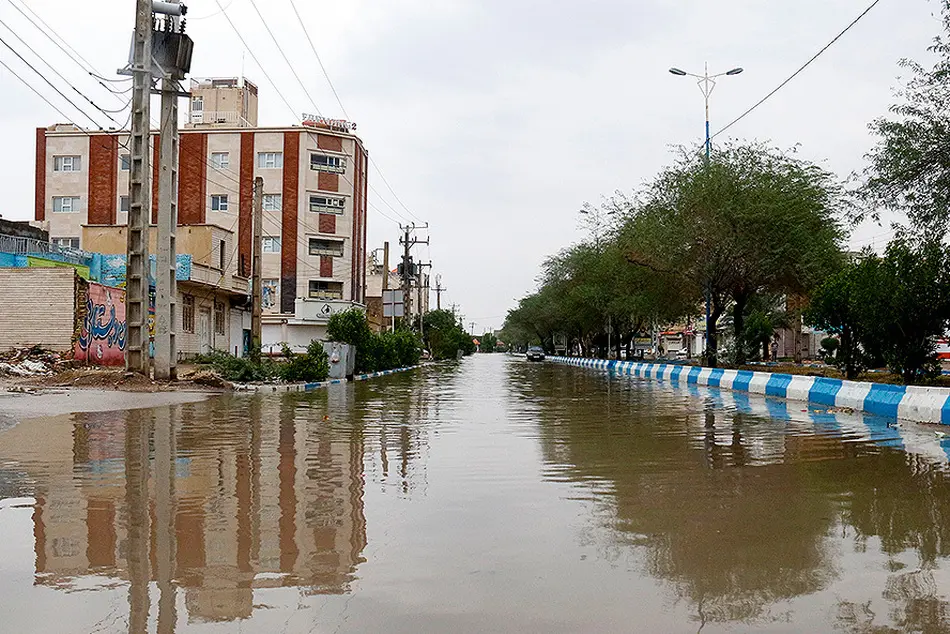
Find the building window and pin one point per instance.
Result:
(323, 246)
(270, 245)
(66, 204)
(197, 104)
(125, 162)
(219, 318)
(66, 243)
(220, 160)
(219, 202)
(270, 291)
(124, 204)
(272, 202)
(222, 247)
(327, 204)
(327, 163)
(67, 163)
(326, 290)
(188, 313)
(267, 160)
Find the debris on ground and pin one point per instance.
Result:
(33, 361)
(34, 367)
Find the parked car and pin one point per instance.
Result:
(535, 353)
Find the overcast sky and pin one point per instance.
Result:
(495, 120)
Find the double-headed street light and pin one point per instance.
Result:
(707, 83)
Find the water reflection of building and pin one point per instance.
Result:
(223, 498)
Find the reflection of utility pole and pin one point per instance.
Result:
(438, 292)
(256, 269)
(166, 420)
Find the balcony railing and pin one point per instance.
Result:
(211, 116)
(31, 246)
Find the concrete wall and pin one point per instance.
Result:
(38, 308)
(297, 336)
(22, 230)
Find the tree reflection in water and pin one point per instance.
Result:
(739, 534)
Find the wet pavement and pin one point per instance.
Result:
(492, 496)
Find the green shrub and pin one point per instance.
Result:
(374, 352)
(311, 366)
(238, 369)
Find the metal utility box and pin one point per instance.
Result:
(342, 358)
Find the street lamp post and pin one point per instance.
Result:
(706, 83)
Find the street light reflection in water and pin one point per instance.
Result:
(495, 495)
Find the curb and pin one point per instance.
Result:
(269, 388)
(914, 403)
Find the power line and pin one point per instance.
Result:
(254, 57)
(386, 202)
(87, 67)
(319, 61)
(797, 72)
(41, 96)
(286, 59)
(390, 187)
(345, 114)
(50, 84)
(60, 75)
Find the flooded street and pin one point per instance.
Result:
(490, 496)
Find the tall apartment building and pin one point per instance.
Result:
(315, 188)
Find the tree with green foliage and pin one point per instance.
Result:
(890, 309)
(751, 220)
(839, 306)
(911, 307)
(909, 168)
(444, 335)
(374, 352)
(488, 342)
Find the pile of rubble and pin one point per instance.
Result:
(31, 362)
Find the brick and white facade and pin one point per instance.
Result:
(315, 188)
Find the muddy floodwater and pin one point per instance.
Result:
(495, 495)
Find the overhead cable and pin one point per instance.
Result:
(797, 72)
(286, 59)
(254, 57)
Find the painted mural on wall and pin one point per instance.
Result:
(270, 293)
(102, 327)
(112, 269)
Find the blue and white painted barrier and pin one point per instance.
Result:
(920, 404)
(309, 387)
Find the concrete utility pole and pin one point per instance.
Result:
(256, 263)
(160, 49)
(385, 265)
(408, 242)
(140, 195)
(166, 284)
(438, 292)
(422, 284)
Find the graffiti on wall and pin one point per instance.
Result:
(270, 293)
(102, 330)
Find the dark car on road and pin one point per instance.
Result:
(535, 354)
